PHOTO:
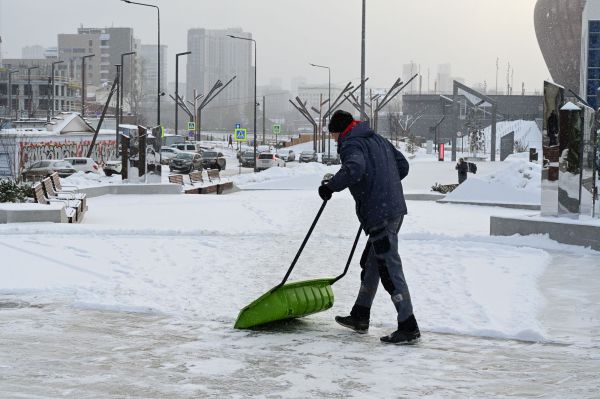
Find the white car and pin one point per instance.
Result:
(287, 155)
(267, 160)
(81, 164)
(167, 153)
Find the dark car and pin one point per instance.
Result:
(213, 160)
(308, 156)
(41, 169)
(247, 159)
(331, 159)
(186, 162)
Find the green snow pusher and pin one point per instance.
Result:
(293, 300)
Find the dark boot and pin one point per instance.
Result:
(358, 319)
(407, 333)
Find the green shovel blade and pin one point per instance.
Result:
(297, 299)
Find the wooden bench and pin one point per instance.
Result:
(71, 200)
(176, 179)
(196, 177)
(213, 174)
(40, 198)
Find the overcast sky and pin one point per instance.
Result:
(469, 34)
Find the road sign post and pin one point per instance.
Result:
(241, 135)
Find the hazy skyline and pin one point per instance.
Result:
(468, 34)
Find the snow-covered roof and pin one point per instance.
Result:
(70, 123)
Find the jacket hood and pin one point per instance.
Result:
(361, 130)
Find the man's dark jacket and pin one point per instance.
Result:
(372, 168)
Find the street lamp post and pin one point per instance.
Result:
(10, 91)
(117, 121)
(83, 73)
(329, 105)
(362, 61)
(121, 80)
(177, 87)
(254, 100)
(159, 92)
(53, 87)
(30, 89)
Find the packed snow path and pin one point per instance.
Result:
(140, 300)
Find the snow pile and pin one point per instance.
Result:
(81, 179)
(519, 182)
(313, 171)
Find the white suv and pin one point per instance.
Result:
(87, 165)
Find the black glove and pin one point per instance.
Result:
(325, 192)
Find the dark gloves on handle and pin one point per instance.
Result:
(325, 192)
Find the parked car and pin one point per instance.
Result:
(112, 168)
(186, 162)
(41, 169)
(268, 160)
(186, 147)
(81, 164)
(213, 160)
(308, 156)
(287, 155)
(332, 159)
(167, 153)
(247, 159)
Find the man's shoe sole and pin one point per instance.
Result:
(411, 342)
(352, 327)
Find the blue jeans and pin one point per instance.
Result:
(381, 261)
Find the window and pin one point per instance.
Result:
(594, 26)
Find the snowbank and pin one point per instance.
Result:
(519, 182)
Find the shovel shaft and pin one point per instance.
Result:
(312, 227)
(349, 257)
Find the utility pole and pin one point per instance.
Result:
(83, 73)
(53, 86)
(117, 113)
(264, 120)
(30, 90)
(10, 73)
(497, 66)
(177, 87)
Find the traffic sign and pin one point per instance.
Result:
(241, 135)
(191, 126)
(238, 126)
(276, 129)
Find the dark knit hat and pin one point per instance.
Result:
(339, 121)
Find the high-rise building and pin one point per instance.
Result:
(148, 70)
(215, 56)
(408, 71)
(33, 52)
(107, 45)
(71, 49)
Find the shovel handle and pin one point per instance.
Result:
(349, 257)
(312, 227)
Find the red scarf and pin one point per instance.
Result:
(349, 128)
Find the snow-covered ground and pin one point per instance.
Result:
(140, 299)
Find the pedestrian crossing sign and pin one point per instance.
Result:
(241, 135)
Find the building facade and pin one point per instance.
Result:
(32, 97)
(215, 56)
